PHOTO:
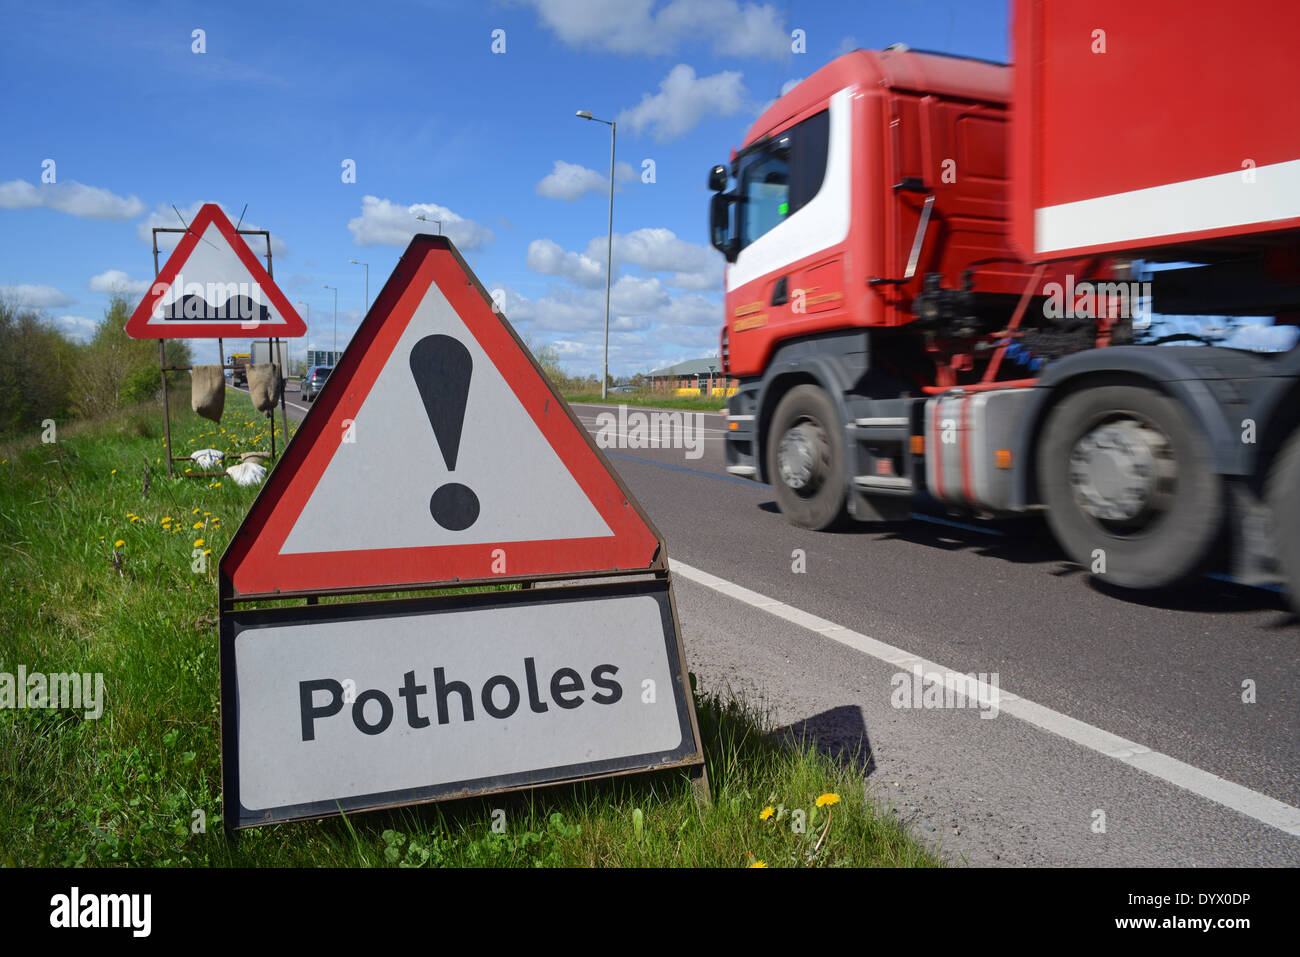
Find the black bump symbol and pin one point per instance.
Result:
(442, 366)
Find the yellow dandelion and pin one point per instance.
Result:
(114, 472)
(195, 512)
(207, 513)
(767, 812)
(101, 538)
(198, 543)
(166, 521)
(197, 525)
(759, 864)
(119, 543)
(207, 551)
(828, 799)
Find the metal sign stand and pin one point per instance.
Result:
(162, 363)
(615, 606)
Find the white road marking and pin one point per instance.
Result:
(1221, 791)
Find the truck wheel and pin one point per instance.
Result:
(805, 459)
(1130, 488)
(1282, 492)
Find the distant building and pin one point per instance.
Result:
(322, 357)
(692, 376)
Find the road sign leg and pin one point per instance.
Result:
(700, 785)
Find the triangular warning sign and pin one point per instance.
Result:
(213, 285)
(437, 452)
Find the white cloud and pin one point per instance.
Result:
(550, 259)
(568, 181)
(385, 223)
(660, 250)
(653, 318)
(35, 297)
(789, 85)
(76, 328)
(71, 197)
(635, 26)
(683, 101)
(116, 281)
(653, 250)
(638, 296)
(649, 327)
(165, 216)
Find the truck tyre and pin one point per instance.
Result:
(805, 459)
(1130, 487)
(1282, 491)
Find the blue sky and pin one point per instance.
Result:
(135, 121)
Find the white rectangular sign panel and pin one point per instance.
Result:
(330, 708)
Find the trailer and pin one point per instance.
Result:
(943, 273)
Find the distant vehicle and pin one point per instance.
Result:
(314, 381)
(622, 390)
(263, 353)
(239, 372)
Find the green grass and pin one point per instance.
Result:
(654, 400)
(125, 789)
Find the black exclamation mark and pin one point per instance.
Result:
(442, 366)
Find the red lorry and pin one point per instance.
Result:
(942, 275)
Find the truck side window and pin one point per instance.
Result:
(777, 182)
(766, 191)
(812, 138)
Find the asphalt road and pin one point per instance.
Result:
(1122, 736)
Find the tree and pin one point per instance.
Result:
(548, 357)
(37, 366)
(116, 370)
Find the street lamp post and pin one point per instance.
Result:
(367, 265)
(425, 219)
(335, 356)
(609, 244)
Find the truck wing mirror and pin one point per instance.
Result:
(720, 236)
(718, 179)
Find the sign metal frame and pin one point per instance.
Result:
(650, 577)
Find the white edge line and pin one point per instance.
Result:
(1202, 783)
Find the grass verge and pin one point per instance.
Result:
(653, 400)
(101, 577)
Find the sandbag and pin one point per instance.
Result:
(208, 391)
(264, 385)
(247, 473)
(208, 459)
